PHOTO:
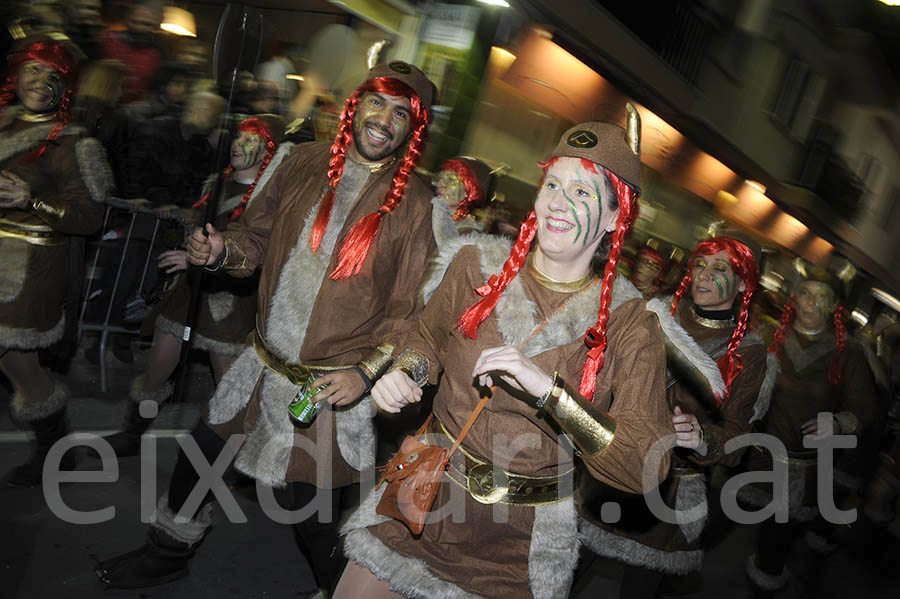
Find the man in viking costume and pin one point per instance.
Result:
(342, 235)
(721, 279)
(227, 312)
(823, 370)
(52, 180)
(566, 358)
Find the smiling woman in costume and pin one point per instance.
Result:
(555, 343)
(51, 183)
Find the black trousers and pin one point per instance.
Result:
(318, 541)
(598, 576)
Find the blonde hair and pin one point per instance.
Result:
(102, 79)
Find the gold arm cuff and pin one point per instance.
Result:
(46, 211)
(848, 423)
(377, 361)
(235, 258)
(414, 364)
(590, 428)
(34, 234)
(683, 369)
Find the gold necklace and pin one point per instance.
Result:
(710, 323)
(30, 117)
(377, 168)
(554, 285)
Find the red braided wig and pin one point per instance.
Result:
(56, 56)
(744, 266)
(358, 241)
(474, 194)
(594, 337)
(833, 374)
(259, 127)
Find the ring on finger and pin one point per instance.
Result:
(692, 427)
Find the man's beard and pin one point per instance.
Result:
(359, 131)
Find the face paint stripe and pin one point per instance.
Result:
(574, 214)
(587, 211)
(718, 282)
(599, 206)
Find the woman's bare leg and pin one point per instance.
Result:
(357, 581)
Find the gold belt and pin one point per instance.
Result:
(33, 234)
(295, 372)
(487, 484)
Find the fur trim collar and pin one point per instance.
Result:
(608, 544)
(442, 224)
(94, 168)
(764, 399)
(18, 338)
(802, 358)
(280, 154)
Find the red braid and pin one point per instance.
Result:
(478, 312)
(840, 343)
(595, 337)
(744, 266)
(787, 319)
(270, 151)
(335, 168)
(474, 195)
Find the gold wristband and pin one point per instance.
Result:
(377, 361)
(590, 428)
(847, 423)
(46, 211)
(414, 364)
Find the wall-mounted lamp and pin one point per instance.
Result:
(178, 21)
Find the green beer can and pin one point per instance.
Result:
(303, 409)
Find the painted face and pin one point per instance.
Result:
(380, 124)
(573, 211)
(247, 151)
(714, 285)
(645, 272)
(40, 87)
(450, 189)
(815, 303)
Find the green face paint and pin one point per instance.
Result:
(587, 210)
(718, 283)
(599, 206)
(575, 215)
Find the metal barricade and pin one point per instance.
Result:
(133, 208)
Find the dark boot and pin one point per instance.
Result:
(137, 420)
(163, 558)
(160, 560)
(47, 431)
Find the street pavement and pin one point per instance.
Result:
(42, 556)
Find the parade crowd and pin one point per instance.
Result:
(565, 383)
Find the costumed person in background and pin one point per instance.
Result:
(721, 279)
(822, 370)
(462, 185)
(52, 183)
(342, 234)
(555, 343)
(649, 270)
(227, 311)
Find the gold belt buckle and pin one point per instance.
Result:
(487, 484)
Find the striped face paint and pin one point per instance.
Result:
(714, 284)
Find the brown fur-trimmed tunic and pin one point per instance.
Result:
(72, 175)
(307, 317)
(640, 538)
(534, 552)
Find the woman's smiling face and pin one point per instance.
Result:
(573, 209)
(714, 284)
